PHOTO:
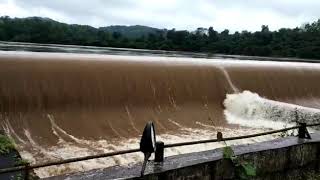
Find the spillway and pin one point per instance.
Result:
(102, 102)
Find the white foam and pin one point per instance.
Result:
(7, 127)
(69, 150)
(131, 120)
(227, 76)
(249, 109)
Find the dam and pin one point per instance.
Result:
(61, 105)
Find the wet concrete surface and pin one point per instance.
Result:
(173, 163)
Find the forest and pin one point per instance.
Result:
(301, 42)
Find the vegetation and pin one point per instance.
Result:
(6, 144)
(302, 42)
(21, 162)
(244, 170)
(131, 32)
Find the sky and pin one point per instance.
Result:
(235, 15)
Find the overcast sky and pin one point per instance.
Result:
(235, 15)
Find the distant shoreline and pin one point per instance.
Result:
(157, 52)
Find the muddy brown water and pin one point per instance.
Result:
(47, 96)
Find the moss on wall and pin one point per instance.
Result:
(6, 144)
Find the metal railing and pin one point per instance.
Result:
(301, 127)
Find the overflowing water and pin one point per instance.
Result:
(62, 105)
(249, 109)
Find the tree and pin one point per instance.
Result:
(265, 28)
(213, 35)
(116, 35)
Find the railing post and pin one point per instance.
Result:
(159, 154)
(296, 115)
(303, 131)
(219, 136)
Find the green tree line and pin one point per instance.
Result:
(301, 42)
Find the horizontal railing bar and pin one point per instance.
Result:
(311, 125)
(230, 138)
(71, 160)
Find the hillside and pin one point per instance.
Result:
(132, 32)
(301, 42)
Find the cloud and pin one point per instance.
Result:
(236, 15)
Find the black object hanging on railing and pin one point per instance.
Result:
(303, 132)
(147, 143)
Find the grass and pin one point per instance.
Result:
(6, 144)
